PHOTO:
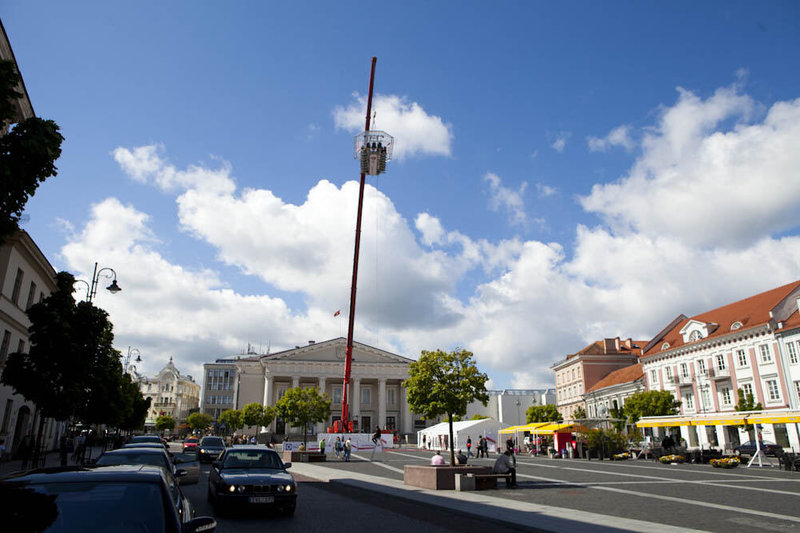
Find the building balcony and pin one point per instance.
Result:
(685, 380)
(671, 380)
(720, 373)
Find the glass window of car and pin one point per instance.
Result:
(211, 441)
(252, 459)
(92, 506)
(153, 459)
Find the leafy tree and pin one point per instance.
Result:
(606, 442)
(746, 402)
(649, 403)
(27, 153)
(200, 421)
(71, 369)
(301, 407)
(478, 417)
(580, 413)
(543, 413)
(253, 415)
(232, 419)
(136, 406)
(443, 383)
(165, 422)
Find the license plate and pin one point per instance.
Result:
(261, 499)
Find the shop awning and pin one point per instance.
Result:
(663, 422)
(775, 418)
(728, 419)
(522, 429)
(559, 427)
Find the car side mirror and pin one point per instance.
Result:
(206, 524)
(181, 472)
(287, 465)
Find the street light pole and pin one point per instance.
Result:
(91, 288)
(138, 359)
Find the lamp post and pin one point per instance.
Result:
(91, 288)
(519, 420)
(131, 352)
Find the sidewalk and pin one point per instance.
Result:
(52, 458)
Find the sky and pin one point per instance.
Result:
(563, 172)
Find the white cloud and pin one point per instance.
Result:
(561, 141)
(545, 190)
(708, 176)
(619, 136)
(415, 131)
(508, 200)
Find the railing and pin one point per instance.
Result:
(720, 373)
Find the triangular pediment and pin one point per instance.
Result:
(334, 351)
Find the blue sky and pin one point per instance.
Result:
(564, 171)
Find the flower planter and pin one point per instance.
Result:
(303, 457)
(438, 477)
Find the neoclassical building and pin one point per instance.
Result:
(376, 394)
(170, 393)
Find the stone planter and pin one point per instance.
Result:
(438, 477)
(303, 457)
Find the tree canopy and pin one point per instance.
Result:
(199, 421)
(255, 414)
(165, 422)
(542, 413)
(444, 383)
(27, 153)
(303, 406)
(649, 403)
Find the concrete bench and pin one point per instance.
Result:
(465, 482)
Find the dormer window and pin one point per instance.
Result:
(694, 330)
(695, 336)
(736, 325)
(665, 346)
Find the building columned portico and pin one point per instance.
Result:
(376, 393)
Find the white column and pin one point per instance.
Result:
(406, 419)
(381, 403)
(268, 388)
(355, 401)
(321, 426)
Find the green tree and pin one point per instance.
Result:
(136, 406)
(253, 415)
(444, 383)
(478, 417)
(301, 407)
(165, 422)
(71, 369)
(543, 413)
(579, 414)
(649, 403)
(747, 402)
(27, 152)
(231, 419)
(199, 421)
(606, 442)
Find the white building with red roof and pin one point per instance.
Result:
(751, 345)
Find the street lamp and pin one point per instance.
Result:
(519, 420)
(91, 288)
(138, 359)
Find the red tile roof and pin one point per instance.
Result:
(750, 312)
(618, 377)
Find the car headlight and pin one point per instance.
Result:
(289, 488)
(232, 488)
(202, 450)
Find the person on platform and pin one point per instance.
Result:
(506, 464)
(376, 437)
(469, 446)
(322, 445)
(437, 459)
(337, 448)
(348, 448)
(461, 459)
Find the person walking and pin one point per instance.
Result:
(337, 448)
(376, 437)
(507, 464)
(469, 447)
(322, 445)
(348, 448)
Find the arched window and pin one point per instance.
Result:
(695, 335)
(665, 346)
(736, 325)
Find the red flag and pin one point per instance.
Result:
(337, 313)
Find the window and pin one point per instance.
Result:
(366, 396)
(391, 396)
(665, 346)
(337, 396)
(31, 294)
(695, 336)
(741, 357)
(720, 362)
(654, 376)
(689, 400)
(797, 387)
(772, 390)
(17, 287)
(684, 370)
(736, 325)
(4, 346)
(747, 389)
(766, 355)
(726, 396)
(701, 366)
(21, 346)
(792, 352)
(706, 397)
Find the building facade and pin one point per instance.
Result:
(610, 393)
(26, 277)
(170, 394)
(376, 394)
(510, 406)
(220, 387)
(750, 346)
(579, 372)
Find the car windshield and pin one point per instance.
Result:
(153, 459)
(85, 506)
(190, 441)
(146, 438)
(212, 441)
(252, 459)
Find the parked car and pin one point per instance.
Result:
(749, 448)
(103, 499)
(157, 456)
(252, 475)
(209, 448)
(190, 444)
(140, 439)
(189, 462)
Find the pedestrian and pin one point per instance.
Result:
(376, 437)
(348, 448)
(253, 440)
(480, 446)
(461, 459)
(437, 459)
(423, 441)
(510, 444)
(507, 464)
(469, 447)
(322, 445)
(337, 448)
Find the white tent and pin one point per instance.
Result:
(438, 437)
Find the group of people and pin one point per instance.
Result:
(342, 449)
(506, 463)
